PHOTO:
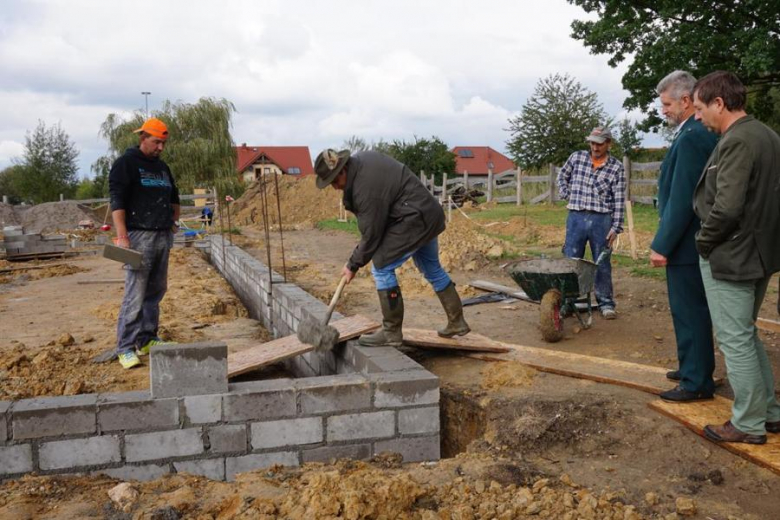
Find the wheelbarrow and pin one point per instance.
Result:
(557, 283)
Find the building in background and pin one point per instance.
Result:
(254, 161)
(477, 160)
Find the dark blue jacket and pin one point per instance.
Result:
(680, 171)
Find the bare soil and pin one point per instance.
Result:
(519, 443)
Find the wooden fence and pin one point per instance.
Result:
(641, 178)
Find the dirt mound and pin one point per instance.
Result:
(35, 274)
(54, 216)
(302, 203)
(7, 216)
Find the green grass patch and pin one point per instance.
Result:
(350, 226)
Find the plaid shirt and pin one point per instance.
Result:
(602, 190)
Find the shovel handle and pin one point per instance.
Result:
(335, 298)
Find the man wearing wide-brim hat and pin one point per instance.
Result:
(398, 219)
(594, 184)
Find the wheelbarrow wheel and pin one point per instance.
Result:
(550, 318)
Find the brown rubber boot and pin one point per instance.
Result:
(390, 335)
(456, 324)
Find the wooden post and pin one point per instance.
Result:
(519, 189)
(449, 209)
(466, 180)
(627, 170)
(552, 183)
(490, 185)
(444, 187)
(631, 234)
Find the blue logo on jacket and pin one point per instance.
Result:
(154, 179)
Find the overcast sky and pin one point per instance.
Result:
(299, 72)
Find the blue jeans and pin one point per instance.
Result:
(583, 227)
(427, 261)
(145, 287)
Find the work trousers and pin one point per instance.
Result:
(589, 227)
(139, 316)
(427, 261)
(692, 327)
(734, 308)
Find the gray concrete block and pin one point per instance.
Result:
(259, 400)
(189, 369)
(209, 468)
(289, 432)
(54, 416)
(143, 472)
(397, 389)
(16, 459)
(236, 465)
(392, 363)
(361, 426)
(228, 438)
(162, 445)
(418, 420)
(329, 453)
(412, 449)
(79, 452)
(136, 411)
(203, 409)
(334, 393)
(4, 406)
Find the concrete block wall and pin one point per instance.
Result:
(369, 401)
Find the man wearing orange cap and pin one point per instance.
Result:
(145, 208)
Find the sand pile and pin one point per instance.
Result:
(302, 204)
(35, 274)
(54, 216)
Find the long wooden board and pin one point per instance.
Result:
(471, 341)
(290, 346)
(768, 325)
(647, 378)
(696, 416)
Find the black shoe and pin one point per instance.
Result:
(680, 395)
(773, 427)
(673, 375)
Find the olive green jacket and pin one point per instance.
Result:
(738, 201)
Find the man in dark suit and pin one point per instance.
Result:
(674, 245)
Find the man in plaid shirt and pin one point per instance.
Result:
(594, 184)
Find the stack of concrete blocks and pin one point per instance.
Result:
(356, 404)
(17, 244)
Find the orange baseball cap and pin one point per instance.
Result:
(155, 128)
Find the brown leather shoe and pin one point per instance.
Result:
(729, 433)
(773, 427)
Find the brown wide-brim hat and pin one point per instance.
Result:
(328, 165)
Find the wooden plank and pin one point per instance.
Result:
(471, 341)
(695, 416)
(644, 182)
(503, 289)
(540, 198)
(109, 280)
(768, 325)
(645, 167)
(534, 178)
(289, 346)
(646, 378)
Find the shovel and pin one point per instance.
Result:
(321, 336)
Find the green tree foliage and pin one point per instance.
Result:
(432, 156)
(665, 35)
(9, 179)
(627, 139)
(48, 165)
(199, 150)
(554, 122)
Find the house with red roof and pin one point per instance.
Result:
(477, 160)
(254, 161)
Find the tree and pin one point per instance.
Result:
(9, 179)
(199, 150)
(627, 139)
(355, 144)
(432, 156)
(553, 122)
(665, 35)
(48, 165)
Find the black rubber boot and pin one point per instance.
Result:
(390, 335)
(456, 324)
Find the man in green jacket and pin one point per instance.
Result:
(737, 201)
(398, 219)
(674, 245)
